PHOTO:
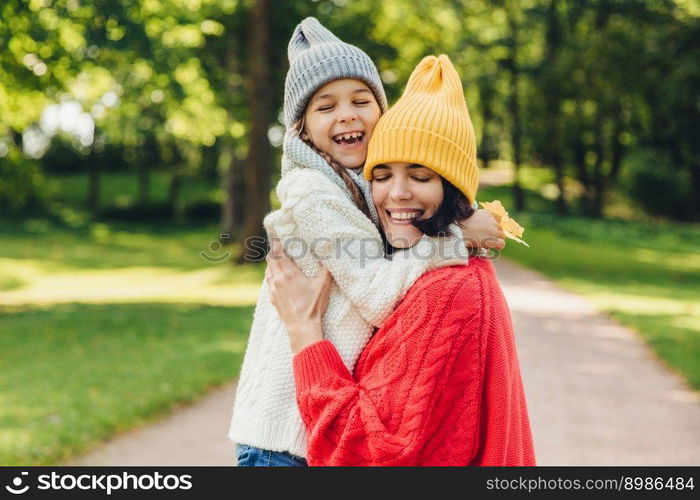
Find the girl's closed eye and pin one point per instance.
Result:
(422, 179)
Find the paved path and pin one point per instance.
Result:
(596, 394)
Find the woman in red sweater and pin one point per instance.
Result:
(439, 383)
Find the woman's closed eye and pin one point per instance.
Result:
(383, 178)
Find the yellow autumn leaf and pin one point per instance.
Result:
(496, 209)
(509, 226)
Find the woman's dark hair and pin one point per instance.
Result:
(454, 207)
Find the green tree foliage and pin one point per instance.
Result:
(180, 85)
(649, 178)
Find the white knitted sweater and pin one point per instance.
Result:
(319, 224)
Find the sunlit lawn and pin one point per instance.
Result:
(42, 262)
(76, 374)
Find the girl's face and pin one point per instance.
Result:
(402, 192)
(340, 118)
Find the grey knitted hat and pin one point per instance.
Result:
(316, 57)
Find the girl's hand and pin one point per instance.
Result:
(481, 231)
(299, 300)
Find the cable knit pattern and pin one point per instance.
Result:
(318, 224)
(438, 384)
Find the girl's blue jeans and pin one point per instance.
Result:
(250, 456)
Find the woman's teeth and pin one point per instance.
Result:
(404, 215)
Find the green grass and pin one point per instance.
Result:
(645, 274)
(73, 375)
(101, 245)
(10, 282)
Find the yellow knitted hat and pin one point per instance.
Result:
(429, 125)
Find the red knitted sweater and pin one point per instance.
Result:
(438, 384)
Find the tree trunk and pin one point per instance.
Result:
(579, 151)
(174, 191)
(233, 181)
(514, 109)
(604, 10)
(486, 148)
(232, 210)
(694, 196)
(617, 149)
(258, 167)
(144, 182)
(553, 155)
(18, 140)
(598, 176)
(149, 158)
(558, 164)
(93, 197)
(691, 161)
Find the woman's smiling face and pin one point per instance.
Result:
(402, 192)
(340, 118)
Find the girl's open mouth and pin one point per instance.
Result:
(349, 140)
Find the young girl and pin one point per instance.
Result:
(333, 99)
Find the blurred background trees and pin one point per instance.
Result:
(602, 96)
(139, 136)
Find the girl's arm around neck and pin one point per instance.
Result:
(335, 232)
